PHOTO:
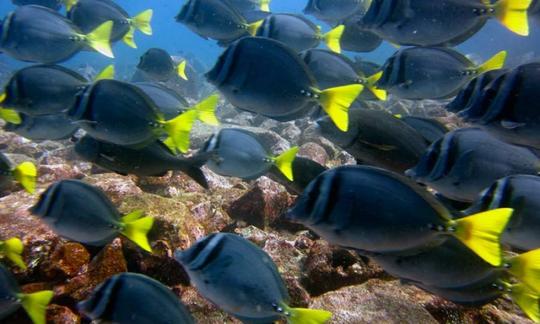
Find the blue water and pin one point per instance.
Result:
(178, 39)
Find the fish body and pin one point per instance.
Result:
(430, 128)
(39, 34)
(169, 103)
(431, 72)
(88, 14)
(465, 161)
(467, 96)
(333, 10)
(304, 170)
(295, 31)
(43, 90)
(134, 298)
(53, 4)
(153, 160)
(377, 138)
(356, 38)
(44, 127)
(158, 65)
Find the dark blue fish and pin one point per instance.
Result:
(53, 4)
(357, 38)
(158, 65)
(241, 279)
(334, 10)
(136, 299)
(43, 127)
(469, 94)
(430, 128)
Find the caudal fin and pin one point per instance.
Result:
(26, 173)
(265, 5)
(494, 63)
(129, 37)
(10, 116)
(336, 102)
(100, 39)
(481, 233)
(526, 268)
(206, 110)
(253, 27)
(142, 21)
(527, 300)
(179, 129)
(35, 304)
(106, 74)
(371, 85)
(69, 4)
(307, 316)
(513, 14)
(181, 70)
(333, 38)
(136, 227)
(285, 160)
(13, 249)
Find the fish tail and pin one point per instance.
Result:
(527, 300)
(35, 304)
(253, 27)
(181, 70)
(336, 102)
(195, 173)
(285, 160)
(179, 129)
(206, 110)
(13, 249)
(333, 38)
(481, 233)
(371, 85)
(307, 316)
(129, 37)
(142, 21)
(513, 14)
(25, 173)
(494, 63)
(265, 5)
(136, 227)
(99, 39)
(69, 4)
(106, 74)
(3, 97)
(526, 268)
(10, 116)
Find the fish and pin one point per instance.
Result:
(171, 104)
(375, 210)
(534, 10)
(38, 34)
(506, 110)
(153, 160)
(120, 113)
(35, 304)
(432, 72)
(334, 10)
(215, 19)
(334, 70)
(304, 171)
(266, 77)
(466, 161)
(46, 89)
(24, 173)
(377, 138)
(89, 14)
(430, 128)
(467, 96)
(12, 249)
(159, 65)
(520, 193)
(43, 127)
(448, 23)
(242, 280)
(52, 4)
(299, 33)
(356, 38)
(82, 213)
(238, 153)
(134, 298)
(365, 67)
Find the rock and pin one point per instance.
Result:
(328, 268)
(115, 186)
(202, 310)
(314, 152)
(290, 132)
(262, 205)
(48, 173)
(107, 263)
(375, 301)
(254, 234)
(57, 314)
(66, 260)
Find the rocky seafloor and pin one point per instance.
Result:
(317, 274)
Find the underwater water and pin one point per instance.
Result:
(160, 164)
